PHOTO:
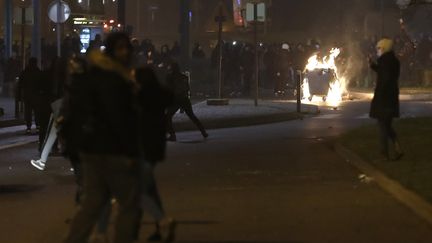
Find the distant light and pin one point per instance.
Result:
(119, 25)
(105, 26)
(234, 43)
(111, 21)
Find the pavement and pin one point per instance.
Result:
(240, 112)
(279, 182)
(368, 95)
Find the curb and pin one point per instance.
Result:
(417, 204)
(403, 97)
(238, 122)
(11, 123)
(14, 145)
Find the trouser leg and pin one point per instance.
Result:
(124, 184)
(187, 106)
(170, 115)
(150, 198)
(96, 196)
(44, 120)
(28, 113)
(387, 133)
(49, 142)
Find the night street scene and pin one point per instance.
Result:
(216, 121)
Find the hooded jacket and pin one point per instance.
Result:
(99, 110)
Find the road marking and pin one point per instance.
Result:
(417, 204)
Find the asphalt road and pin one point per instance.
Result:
(272, 183)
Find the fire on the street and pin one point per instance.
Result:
(336, 85)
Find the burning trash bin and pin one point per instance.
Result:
(321, 79)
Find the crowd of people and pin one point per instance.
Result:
(278, 62)
(111, 117)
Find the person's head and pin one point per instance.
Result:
(383, 46)
(119, 47)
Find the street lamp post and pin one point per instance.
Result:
(58, 26)
(184, 32)
(36, 35)
(8, 28)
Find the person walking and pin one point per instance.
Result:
(153, 101)
(385, 103)
(102, 111)
(27, 91)
(58, 75)
(178, 84)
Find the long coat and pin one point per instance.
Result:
(385, 103)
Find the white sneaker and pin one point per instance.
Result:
(39, 164)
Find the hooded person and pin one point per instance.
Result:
(101, 109)
(385, 103)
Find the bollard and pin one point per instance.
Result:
(299, 91)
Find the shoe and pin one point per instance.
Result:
(172, 138)
(39, 164)
(205, 134)
(155, 237)
(167, 229)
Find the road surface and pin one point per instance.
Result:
(271, 183)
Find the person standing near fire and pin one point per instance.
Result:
(385, 103)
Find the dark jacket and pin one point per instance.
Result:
(385, 103)
(99, 110)
(30, 84)
(153, 100)
(178, 85)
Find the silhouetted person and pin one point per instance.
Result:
(198, 52)
(29, 81)
(178, 83)
(153, 101)
(102, 107)
(385, 104)
(95, 44)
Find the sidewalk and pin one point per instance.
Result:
(240, 112)
(406, 94)
(15, 136)
(8, 119)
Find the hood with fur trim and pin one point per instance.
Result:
(104, 62)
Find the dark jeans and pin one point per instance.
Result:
(386, 133)
(184, 104)
(29, 110)
(104, 177)
(150, 197)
